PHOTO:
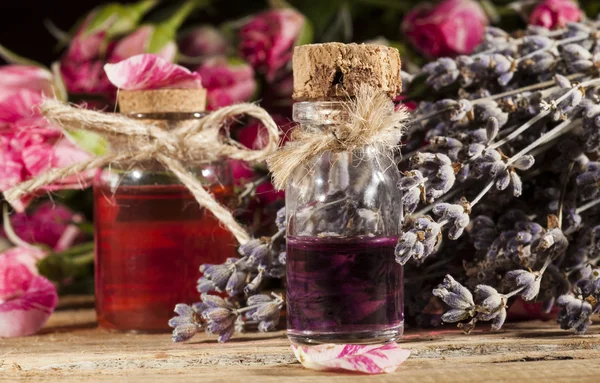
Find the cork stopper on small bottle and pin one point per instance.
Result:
(336, 70)
(162, 101)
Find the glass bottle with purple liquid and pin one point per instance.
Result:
(343, 213)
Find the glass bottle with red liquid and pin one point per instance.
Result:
(343, 212)
(151, 234)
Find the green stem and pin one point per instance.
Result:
(77, 250)
(84, 259)
(144, 6)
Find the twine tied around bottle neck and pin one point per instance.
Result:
(374, 121)
(195, 141)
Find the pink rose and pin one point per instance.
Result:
(50, 224)
(148, 71)
(227, 82)
(555, 13)
(451, 28)
(26, 298)
(268, 38)
(138, 42)
(203, 42)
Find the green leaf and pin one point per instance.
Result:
(60, 90)
(89, 141)
(102, 16)
(166, 31)
(119, 19)
(161, 36)
(235, 61)
(279, 4)
(13, 58)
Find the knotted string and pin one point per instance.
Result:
(373, 121)
(195, 141)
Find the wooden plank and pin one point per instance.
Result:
(70, 348)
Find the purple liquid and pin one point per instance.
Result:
(338, 288)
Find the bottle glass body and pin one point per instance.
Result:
(151, 238)
(343, 214)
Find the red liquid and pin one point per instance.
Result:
(150, 243)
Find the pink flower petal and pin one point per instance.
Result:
(149, 71)
(227, 83)
(373, 359)
(19, 105)
(16, 77)
(26, 299)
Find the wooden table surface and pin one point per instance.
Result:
(71, 348)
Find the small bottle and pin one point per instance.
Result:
(343, 209)
(151, 233)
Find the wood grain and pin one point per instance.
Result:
(71, 348)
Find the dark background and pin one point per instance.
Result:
(22, 27)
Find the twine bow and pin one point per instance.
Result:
(195, 141)
(373, 121)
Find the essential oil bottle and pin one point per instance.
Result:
(343, 209)
(151, 234)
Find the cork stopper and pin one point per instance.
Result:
(162, 101)
(336, 70)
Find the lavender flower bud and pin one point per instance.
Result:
(530, 281)
(493, 306)
(580, 65)
(213, 301)
(184, 332)
(236, 282)
(266, 326)
(492, 128)
(505, 78)
(280, 219)
(410, 180)
(574, 314)
(524, 162)
(185, 324)
(574, 52)
(517, 184)
(254, 285)
(502, 180)
(454, 294)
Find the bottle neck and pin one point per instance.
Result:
(323, 113)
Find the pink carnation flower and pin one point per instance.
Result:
(227, 83)
(204, 41)
(50, 224)
(29, 145)
(453, 27)
(268, 38)
(555, 13)
(26, 298)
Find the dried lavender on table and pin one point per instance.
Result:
(519, 123)
(501, 189)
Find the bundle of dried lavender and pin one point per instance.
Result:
(504, 157)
